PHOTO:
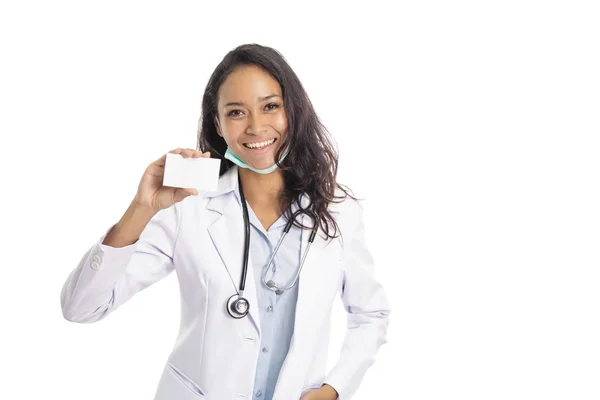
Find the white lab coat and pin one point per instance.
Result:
(215, 355)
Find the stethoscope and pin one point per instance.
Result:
(237, 305)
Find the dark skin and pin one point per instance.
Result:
(250, 110)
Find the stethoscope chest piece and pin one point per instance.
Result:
(237, 306)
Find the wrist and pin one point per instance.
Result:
(329, 391)
(137, 211)
(129, 228)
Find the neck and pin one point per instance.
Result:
(261, 188)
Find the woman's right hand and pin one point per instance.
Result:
(151, 192)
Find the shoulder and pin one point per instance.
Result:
(344, 203)
(347, 212)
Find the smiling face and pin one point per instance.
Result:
(251, 116)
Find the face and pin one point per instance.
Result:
(251, 116)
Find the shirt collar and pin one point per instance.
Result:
(228, 182)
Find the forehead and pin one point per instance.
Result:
(247, 83)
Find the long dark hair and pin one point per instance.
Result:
(311, 164)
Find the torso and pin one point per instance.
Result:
(267, 214)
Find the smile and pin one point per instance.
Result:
(259, 145)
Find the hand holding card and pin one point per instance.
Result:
(164, 184)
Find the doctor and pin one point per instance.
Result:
(256, 292)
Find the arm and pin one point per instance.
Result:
(368, 314)
(108, 276)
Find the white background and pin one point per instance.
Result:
(470, 127)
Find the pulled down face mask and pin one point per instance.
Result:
(231, 156)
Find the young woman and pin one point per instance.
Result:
(259, 261)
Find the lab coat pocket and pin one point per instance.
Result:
(174, 384)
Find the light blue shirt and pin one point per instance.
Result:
(277, 311)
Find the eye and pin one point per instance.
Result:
(275, 105)
(232, 113)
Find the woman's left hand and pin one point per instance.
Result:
(325, 392)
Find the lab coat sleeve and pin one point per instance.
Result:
(368, 313)
(107, 277)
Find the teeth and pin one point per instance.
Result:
(259, 145)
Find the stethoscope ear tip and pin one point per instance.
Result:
(272, 285)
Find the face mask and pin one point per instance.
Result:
(230, 155)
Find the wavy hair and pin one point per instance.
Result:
(312, 162)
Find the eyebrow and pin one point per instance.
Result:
(237, 103)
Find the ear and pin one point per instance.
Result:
(216, 121)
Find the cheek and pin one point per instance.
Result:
(232, 130)
(280, 123)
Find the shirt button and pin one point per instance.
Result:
(265, 350)
(258, 394)
(270, 308)
(94, 265)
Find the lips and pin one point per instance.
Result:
(273, 140)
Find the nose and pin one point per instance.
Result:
(257, 124)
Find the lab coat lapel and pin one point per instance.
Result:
(307, 275)
(291, 377)
(311, 275)
(228, 235)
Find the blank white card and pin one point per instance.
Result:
(201, 173)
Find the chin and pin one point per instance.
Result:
(262, 165)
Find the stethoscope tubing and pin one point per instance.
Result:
(237, 306)
(271, 284)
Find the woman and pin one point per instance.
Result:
(267, 339)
